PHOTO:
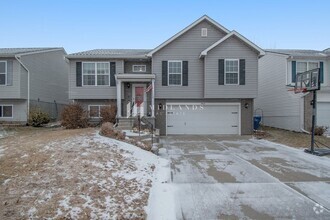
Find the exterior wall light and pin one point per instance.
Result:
(160, 106)
(246, 105)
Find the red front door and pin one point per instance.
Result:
(139, 93)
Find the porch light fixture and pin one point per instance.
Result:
(246, 105)
(160, 106)
(128, 85)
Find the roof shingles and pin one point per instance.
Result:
(111, 53)
(11, 52)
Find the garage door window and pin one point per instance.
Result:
(6, 111)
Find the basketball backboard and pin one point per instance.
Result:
(308, 81)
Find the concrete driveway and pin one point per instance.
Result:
(219, 177)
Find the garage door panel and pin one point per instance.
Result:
(212, 119)
(323, 114)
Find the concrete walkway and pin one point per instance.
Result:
(219, 177)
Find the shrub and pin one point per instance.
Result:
(320, 130)
(74, 116)
(108, 114)
(37, 117)
(108, 131)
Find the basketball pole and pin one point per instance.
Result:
(313, 121)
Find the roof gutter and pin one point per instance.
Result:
(18, 58)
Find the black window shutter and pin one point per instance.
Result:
(78, 74)
(164, 73)
(321, 72)
(221, 69)
(10, 73)
(294, 72)
(112, 74)
(185, 73)
(242, 71)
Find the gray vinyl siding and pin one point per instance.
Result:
(128, 68)
(231, 48)
(12, 92)
(281, 108)
(23, 83)
(92, 92)
(48, 76)
(19, 110)
(186, 48)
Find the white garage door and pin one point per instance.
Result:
(323, 114)
(212, 118)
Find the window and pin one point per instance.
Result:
(139, 68)
(175, 73)
(305, 66)
(95, 110)
(6, 111)
(96, 74)
(204, 32)
(3, 73)
(231, 72)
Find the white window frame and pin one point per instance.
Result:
(5, 73)
(204, 32)
(225, 72)
(142, 66)
(99, 111)
(12, 110)
(95, 66)
(168, 71)
(304, 61)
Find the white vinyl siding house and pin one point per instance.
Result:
(281, 107)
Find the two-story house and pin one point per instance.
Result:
(203, 80)
(283, 108)
(32, 77)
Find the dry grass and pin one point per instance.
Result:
(291, 138)
(65, 174)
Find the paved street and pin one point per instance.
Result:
(234, 177)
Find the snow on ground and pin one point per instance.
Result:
(84, 176)
(130, 133)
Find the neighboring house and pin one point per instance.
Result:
(31, 77)
(282, 108)
(203, 80)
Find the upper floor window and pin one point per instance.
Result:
(96, 73)
(3, 72)
(175, 73)
(6, 111)
(305, 66)
(231, 71)
(139, 68)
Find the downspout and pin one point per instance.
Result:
(28, 85)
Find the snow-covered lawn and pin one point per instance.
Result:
(76, 174)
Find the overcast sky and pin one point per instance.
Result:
(84, 25)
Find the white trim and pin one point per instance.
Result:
(233, 33)
(205, 17)
(145, 69)
(144, 95)
(5, 73)
(230, 72)
(99, 111)
(207, 104)
(95, 74)
(12, 110)
(168, 74)
(204, 32)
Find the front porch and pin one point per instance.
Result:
(135, 97)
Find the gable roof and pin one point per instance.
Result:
(111, 53)
(233, 33)
(300, 53)
(12, 52)
(203, 18)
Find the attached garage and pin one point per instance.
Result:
(323, 114)
(203, 118)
